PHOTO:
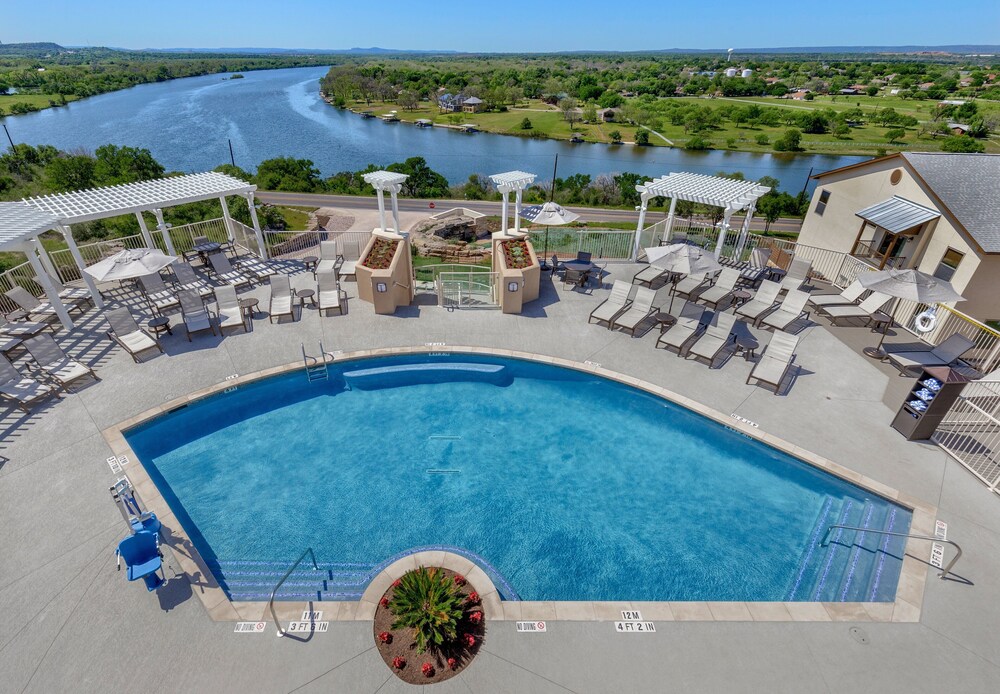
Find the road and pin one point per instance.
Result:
(587, 214)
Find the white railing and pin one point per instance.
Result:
(245, 238)
(468, 289)
(299, 244)
(970, 431)
(183, 236)
(22, 275)
(607, 244)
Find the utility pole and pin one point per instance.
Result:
(231, 157)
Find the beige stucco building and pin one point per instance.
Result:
(935, 212)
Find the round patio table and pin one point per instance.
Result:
(578, 265)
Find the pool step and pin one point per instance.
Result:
(250, 580)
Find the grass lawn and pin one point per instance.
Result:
(295, 217)
(39, 101)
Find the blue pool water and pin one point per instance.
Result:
(570, 486)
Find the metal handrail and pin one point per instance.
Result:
(944, 572)
(270, 603)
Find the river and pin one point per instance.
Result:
(186, 123)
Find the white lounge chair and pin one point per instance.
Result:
(776, 360)
(640, 309)
(197, 317)
(715, 339)
(54, 362)
(648, 275)
(22, 390)
(349, 254)
(797, 275)
(790, 310)
(227, 309)
(614, 305)
(874, 302)
(754, 270)
(159, 298)
(687, 327)
(765, 299)
(21, 328)
(128, 335)
(944, 354)
(281, 298)
(225, 272)
(689, 286)
(188, 279)
(849, 296)
(328, 257)
(31, 305)
(329, 297)
(722, 289)
(256, 268)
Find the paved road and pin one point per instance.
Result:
(587, 214)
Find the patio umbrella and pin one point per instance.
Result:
(130, 263)
(549, 214)
(682, 258)
(911, 285)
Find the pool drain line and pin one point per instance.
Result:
(442, 471)
(444, 437)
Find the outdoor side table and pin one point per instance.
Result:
(160, 324)
(740, 297)
(249, 307)
(747, 344)
(310, 262)
(304, 294)
(664, 320)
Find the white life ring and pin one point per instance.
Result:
(926, 321)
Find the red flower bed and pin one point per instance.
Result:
(515, 253)
(380, 256)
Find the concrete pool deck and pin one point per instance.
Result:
(73, 623)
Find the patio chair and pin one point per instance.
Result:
(797, 275)
(31, 305)
(21, 328)
(791, 309)
(281, 298)
(328, 287)
(142, 559)
(614, 305)
(225, 272)
(327, 257)
(349, 254)
(650, 274)
(573, 278)
(127, 333)
(722, 289)
(596, 275)
(187, 279)
(716, 338)
(55, 363)
(943, 355)
(688, 287)
(849, 296)
(256, 268)
(227, 309)
(866, 309)
(765, 299)
(584, 256)
(21, 390)
(640, 309)
(753, 272)
(159, 298)
(688, 326)
(776, 360)
(197, 317)
(556, 265)
(75, 297)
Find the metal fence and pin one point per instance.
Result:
(970, 431)
(468, 289)
(609, 244)
(91, 253)
(299, 244)
(22, 275)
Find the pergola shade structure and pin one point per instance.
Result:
(729, 194)
(512, 182)
(898, 218)
(391, 182)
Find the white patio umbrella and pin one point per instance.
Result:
(682, 258)
(130, 263)
(549, 214)
(911, 285)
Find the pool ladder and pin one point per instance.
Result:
(315, 366)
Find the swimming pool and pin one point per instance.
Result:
(570, 486)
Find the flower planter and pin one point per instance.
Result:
(516, 263)
(385, 272)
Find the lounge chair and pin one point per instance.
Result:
(327, 257)
(159, 298)
(722, 289)
(791, 309)
(227, 309)
(650, 274)
(349, 254)
(797, 275)
(225, 272)
(688, 287)
(23, 391)
(127, 333)
(329, 292)
(847, 297)
(197, 318)
(21, 328)
(776, 360)
(56, 364)
(716, 338)
(753, 271)
(256, 268)
(614, 305)
(687, 327)
(281, 298)
(187, 279)
(763, 301)
(32, 305)
(75, 297)
(874, 302)
(944, 354)
(640, 309)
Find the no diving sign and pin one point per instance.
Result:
(530, 627)
(250, 627)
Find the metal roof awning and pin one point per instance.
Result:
(897, 214)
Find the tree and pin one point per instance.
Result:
(872, 90)
(610, 99)
(423, 181)
(568, 108)
(116, 165)
(763, 140)
(894, 134)
(962, 144)
(526, 124)
(288, 174)
(642, 137)
(590, 113)
(789, 142)
(615, 136)
(841, 131)
(697, 142)
(70, 172)
(408, 100)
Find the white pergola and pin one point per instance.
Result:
(135, 198)
(20, 227)
(512, 182)
(392, 182)
(731, 195)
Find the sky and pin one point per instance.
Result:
(477, 26)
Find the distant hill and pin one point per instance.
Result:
(374, 50)
(31, 50)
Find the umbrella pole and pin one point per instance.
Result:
(877, 352)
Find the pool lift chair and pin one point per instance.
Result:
(141, 549)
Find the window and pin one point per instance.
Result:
(824, 197)
(949, 263)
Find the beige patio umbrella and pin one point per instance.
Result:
(684, 259)
(130, 263)
(549, 214)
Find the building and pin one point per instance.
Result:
(958, 128)
(930, 211)
(473, 104)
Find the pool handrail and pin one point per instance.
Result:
(944, 571)
(270, 602)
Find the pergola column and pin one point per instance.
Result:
(381, 208)
(31, 250)
(383, 181)
(162, 226)
(723, 230)
(512, 182)
(505, 191)
(394, 195)
(745, 229)
(146, 236)
(670, 218)
(643, 203)
(43, 255)
(256, 227)
(67, 231)
(518, 194)
(227, 220)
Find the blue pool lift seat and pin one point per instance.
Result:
(142, 559)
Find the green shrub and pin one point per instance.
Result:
(428, 602)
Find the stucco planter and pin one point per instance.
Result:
(516, 263)
(385, 272)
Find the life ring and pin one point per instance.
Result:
(926, 321)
